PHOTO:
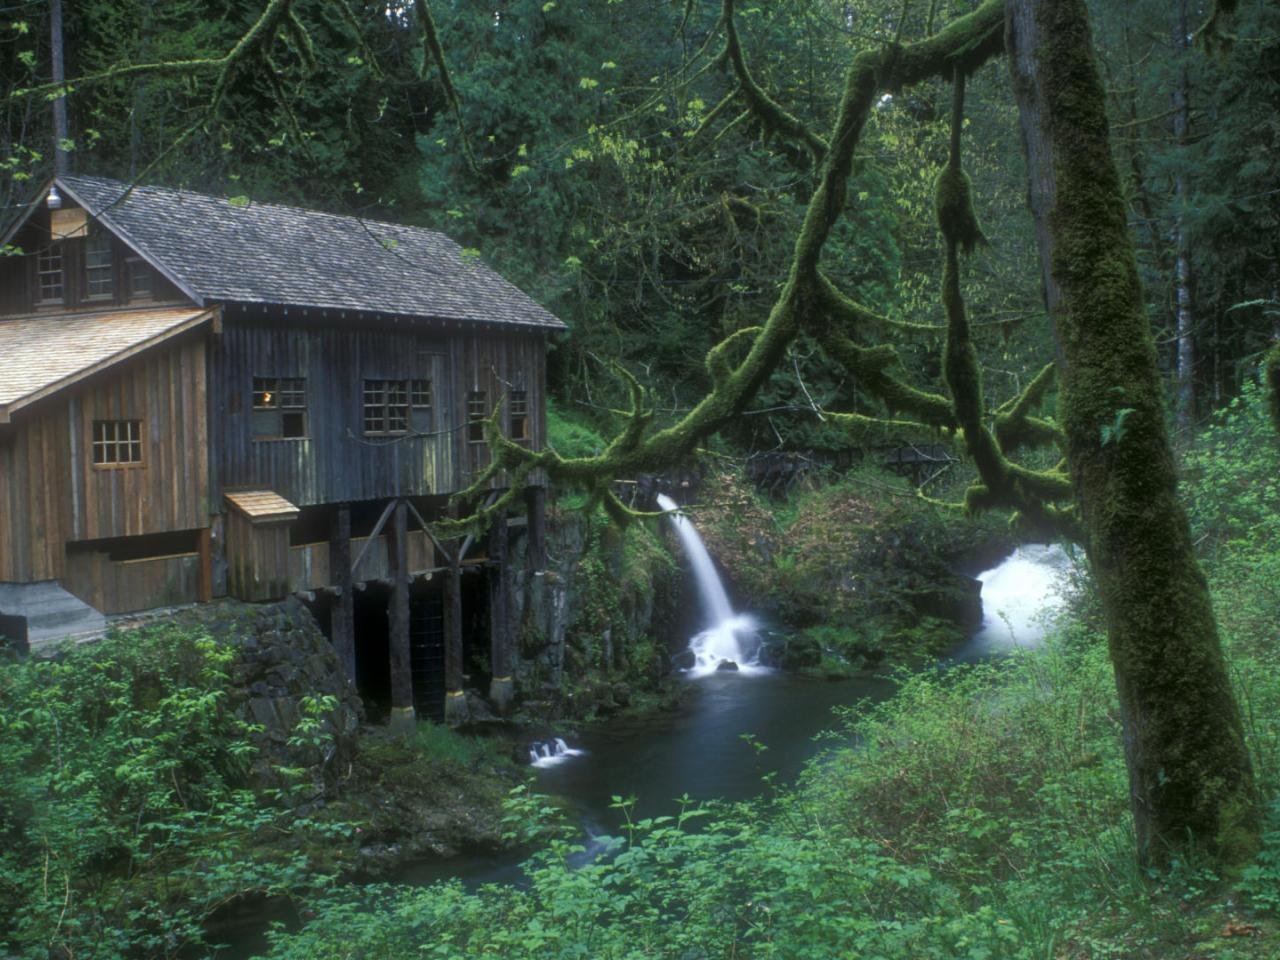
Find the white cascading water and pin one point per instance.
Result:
(549, 753)
(726, 631)
(1018, 595)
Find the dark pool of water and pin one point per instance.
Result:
(696, 750)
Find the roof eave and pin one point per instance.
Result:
(7, 410)
(197, 297)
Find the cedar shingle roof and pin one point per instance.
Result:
(262, 505)
(44, 354)
(266, 254)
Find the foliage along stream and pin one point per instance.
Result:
(702, 749)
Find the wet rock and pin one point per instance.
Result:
(726, 666)
(280, 658)
(953, 597)
(790, 651)
(684, 660)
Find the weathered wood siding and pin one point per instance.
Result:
(497, 364)
(18, 276)
(50, 490)
(309, 562)
(336, 462)
(257, 558)
(125, 586)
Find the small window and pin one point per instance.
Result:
(518, 408)
(477, 411)
(386, 406)
(49, 273)
(420, 393)
(117, 442)
(279, 408)
(141, 286)
(97, 265)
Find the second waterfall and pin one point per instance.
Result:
(728, 640)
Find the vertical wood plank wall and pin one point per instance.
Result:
(336, 461)
(50, 491)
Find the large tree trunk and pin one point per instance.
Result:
(1185, 379)
(1189, 771)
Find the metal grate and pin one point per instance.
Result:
(426, 654)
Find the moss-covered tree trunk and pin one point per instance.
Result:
(1189, 771)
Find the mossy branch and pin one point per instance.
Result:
(431, 40)
(806, 301)
(264, 27)
(769, 112)
(717, 362)
(1016, 428)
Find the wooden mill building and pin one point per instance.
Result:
(202, 397)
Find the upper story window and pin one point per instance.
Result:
(97, 265)
(141, 285)
(477, 411)
(386, 406)
(49, 274)
(279, 408)
(397, 406)
(117, 443)
(518, 410)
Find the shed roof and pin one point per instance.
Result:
(259, 253)
(262, 505)
(41, 355)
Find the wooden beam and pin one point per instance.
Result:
(402, 715)
(426, 528)
(204, 547)
(342, 613)
(377, 530)
(501, 658)
(455, 701)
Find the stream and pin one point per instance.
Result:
(698, 749)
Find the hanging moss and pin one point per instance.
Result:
(953, 204)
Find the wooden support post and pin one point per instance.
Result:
(501, 656)
(342, 617)
(204, 548)
(455, 700)
(402, 715)
(533, 629)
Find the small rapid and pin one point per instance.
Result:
(729, 641)
(550, 753)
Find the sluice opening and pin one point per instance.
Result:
(373, 650)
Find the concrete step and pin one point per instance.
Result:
(52, 613)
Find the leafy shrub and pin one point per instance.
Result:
(126, 814)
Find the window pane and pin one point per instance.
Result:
(421, 393)
(266, 392)
(140, 285)
(97, 264)
(117, 441)
(49, 272)
(477, 410)
(519, 409)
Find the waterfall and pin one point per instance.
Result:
(721, 643)
(1017, 596)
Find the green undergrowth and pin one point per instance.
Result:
(981, 813)
(127, 811)
(130, 813)
(857, 562)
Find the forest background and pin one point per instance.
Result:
(590, 155)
